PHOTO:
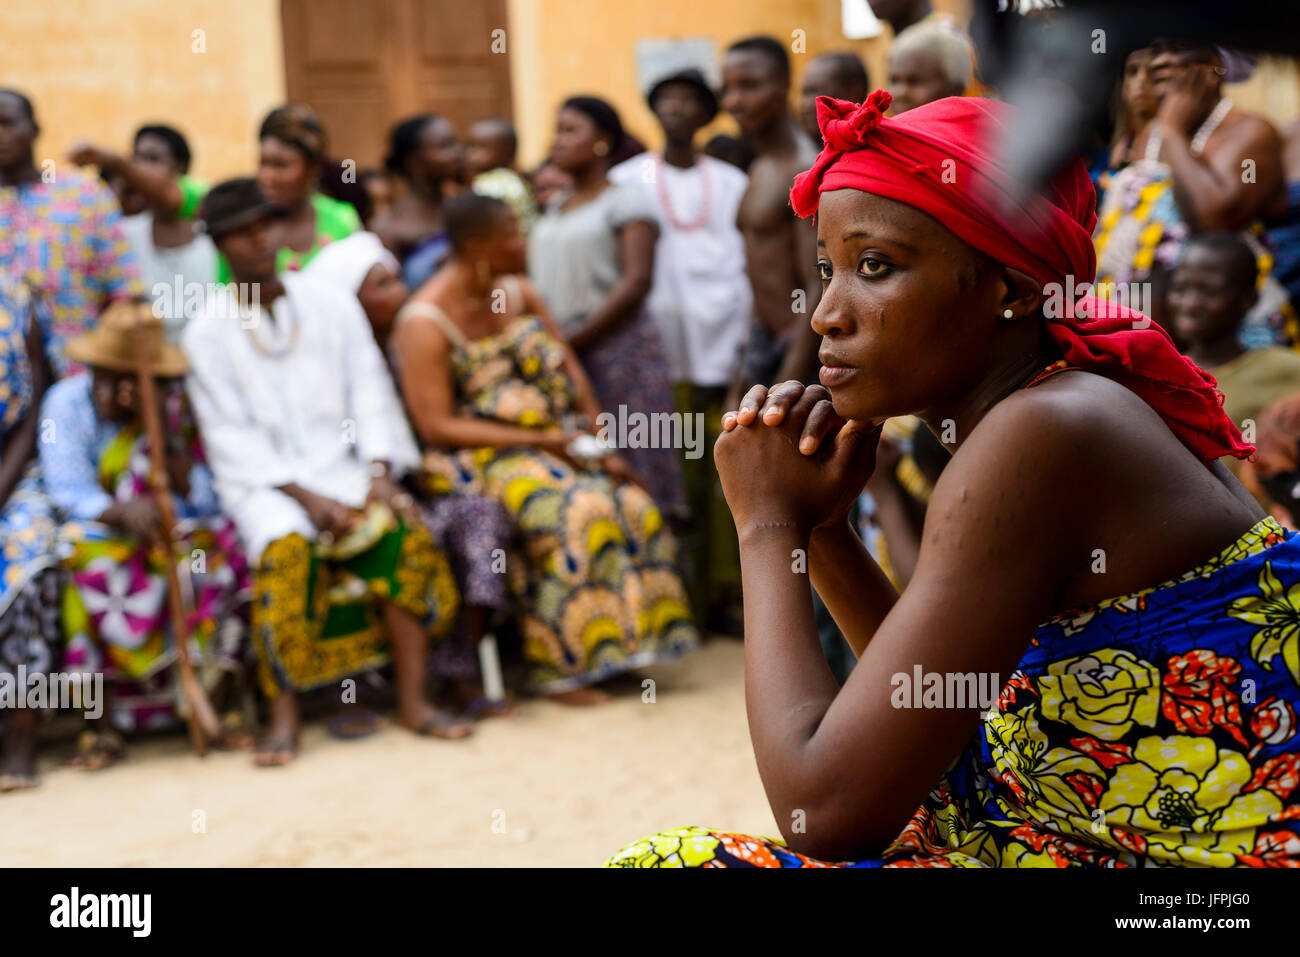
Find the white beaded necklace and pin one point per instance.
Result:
(1201, 137)
(288, 339)
(1210, 125)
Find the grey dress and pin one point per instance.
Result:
(573, 259)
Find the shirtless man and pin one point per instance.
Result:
(840, 76)
(1211, 192)
(781, 250)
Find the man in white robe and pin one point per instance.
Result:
(307, 440)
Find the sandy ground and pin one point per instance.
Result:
(552, 786)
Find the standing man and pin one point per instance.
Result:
(61, 233)
(701, 300)
(780, 248)
(840, 76)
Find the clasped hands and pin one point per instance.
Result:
(786, 457)
(334, 520)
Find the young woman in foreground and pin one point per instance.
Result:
(1137, 609)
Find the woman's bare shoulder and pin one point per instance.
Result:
(1080, 410)
(1064, 452)
(1080, 463)
(1096, 436)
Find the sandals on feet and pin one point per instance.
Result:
(443, 726)
(353, 723)
(97, 750)
(275, 752)
(18, 781)
(485, 707)
(234, 735)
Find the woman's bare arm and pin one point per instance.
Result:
(1213, 191)
(857, 593)
(636, 247)
(431, 400)
(157, 186)
(848, 765)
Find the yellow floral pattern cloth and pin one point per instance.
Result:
(1152, 729)
(592, 569)
(317, 620)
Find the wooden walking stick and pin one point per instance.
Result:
(202, 719)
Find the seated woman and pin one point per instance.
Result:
(1118, 595)
(30, 636)
(95, 464)
(487, 376)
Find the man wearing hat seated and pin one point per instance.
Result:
(701, 300)
(308, 441)
(94, 454)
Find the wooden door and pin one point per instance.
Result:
(365, 66)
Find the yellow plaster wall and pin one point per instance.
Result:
(97, 70)
(562, 47)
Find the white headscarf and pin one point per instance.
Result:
(346, 262)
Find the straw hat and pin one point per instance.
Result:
(127, 334)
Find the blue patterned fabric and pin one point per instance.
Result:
(26, 522)
(71, 464)
(1153, 729)
(423, 261)
(1284, 241)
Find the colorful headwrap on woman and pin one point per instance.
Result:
(942, 159)
(299, 126)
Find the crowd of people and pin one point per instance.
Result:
(382, 390)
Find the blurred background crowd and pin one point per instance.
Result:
(390, 264)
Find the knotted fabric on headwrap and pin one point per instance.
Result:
(942, 159)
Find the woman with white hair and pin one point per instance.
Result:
(363, 266)
(927, 62)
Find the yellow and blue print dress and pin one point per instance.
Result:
(594, 574)
(1153, 729)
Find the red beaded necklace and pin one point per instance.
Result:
(1060, 365)
(665, 203)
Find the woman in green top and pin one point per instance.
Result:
(292, 148)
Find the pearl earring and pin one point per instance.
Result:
(1007, 313)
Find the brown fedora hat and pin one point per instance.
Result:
(128, 334)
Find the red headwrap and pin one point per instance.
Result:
(941, 159)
